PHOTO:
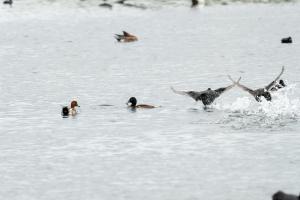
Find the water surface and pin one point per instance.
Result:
(238, 149)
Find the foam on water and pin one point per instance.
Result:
(246, 113)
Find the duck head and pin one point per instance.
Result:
(132, 102)
(281, 82)
(74, 104)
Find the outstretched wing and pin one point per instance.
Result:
(246, 89)
(224, 89)
(237, 83)
(118, 37)
(268, 87)
(193, 94)
(233, 81)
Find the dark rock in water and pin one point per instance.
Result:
(106, 5)
(9, 2)
(194, 3)
(283, 196)
(287, 40)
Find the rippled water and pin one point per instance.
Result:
(237, 149)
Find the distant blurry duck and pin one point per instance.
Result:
(287, 40)
(126, 37)
(194, 3)
(9, 2)
(106, 5)
(121, 2)
(283, 196)
(66, 111)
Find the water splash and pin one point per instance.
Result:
(246, 113)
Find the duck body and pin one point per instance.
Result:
(132, 103)
(8, 2)
(283, 196)
(126, 37)
(207, 96)
(287, 40)
(262, 92)
(194, 3)
(106, 5)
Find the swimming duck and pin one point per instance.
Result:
(66, 111)
(287, 40)
(126, 37)
(283, 196)
(9, 2)
(121, 1)
(260, 92)
(132, 104)
(207, 96)
(194, 3)
(106, 5)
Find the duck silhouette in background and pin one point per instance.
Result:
(106, 5)
(195, 3)
(126, 37)
(287, 40)
(283, 196)
(8, 2)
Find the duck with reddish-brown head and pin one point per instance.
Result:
(126, 37)
(66, 111)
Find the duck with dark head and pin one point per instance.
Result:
(260, 92)
(287, 40)
(281, 84)
(8, 2)
(283, 196)
(66, 111)
(132, 103)
(105, 5)
(194, 3)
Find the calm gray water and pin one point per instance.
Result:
(238, 149)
